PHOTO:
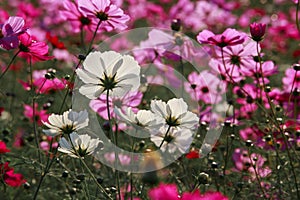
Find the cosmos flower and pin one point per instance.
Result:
(172, 139)
(32, 49)
(9, 32)
(175, 113)
(108, 15)
(109, 71)
(66, 123)
(143, 118)
(9, 176)
(81, 145)
(229, 37)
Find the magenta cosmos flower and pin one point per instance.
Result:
(229, 37)
(9, 32)
(108, 15)
(32, 49)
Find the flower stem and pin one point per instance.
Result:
(114, 140)
(164, 137)
(88, 169)
(11, 61)
(94, 36)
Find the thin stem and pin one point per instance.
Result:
(88, 169)
(68, 89)
(113, 138)
(164, 139)
(256, 175)
(11, 61)
(94, 36)
(36, 139)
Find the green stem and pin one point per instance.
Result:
(88, 169)
(11, 61)
(114, 140)
(164, 139)
(94, 36)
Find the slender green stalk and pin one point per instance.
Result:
(164, 139)
(87, 168)
(114, 140)
(9, 64)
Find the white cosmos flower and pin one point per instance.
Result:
(66, 123)
(176, 139)
(82, 145)
(143, 118)
(108, 71)
(175, 113)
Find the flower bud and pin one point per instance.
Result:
(176, 24)
(257, 31)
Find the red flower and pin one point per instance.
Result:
(194, 153)
(9, 177)
(55, 42)
(3, 148)
(31, 49)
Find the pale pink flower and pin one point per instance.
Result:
(108, 15)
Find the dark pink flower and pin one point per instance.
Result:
(32, 49)
(229, 37)
(164, 192)
(108, 15)
(40, 115)
(3, 148)
(9, 32)
(257, 31)
(44, 85)
(207, 196)
(9, 177)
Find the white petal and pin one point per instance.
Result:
(90, 91)
(177, 107)
(159, 107)
(87, 77)
(93, 64)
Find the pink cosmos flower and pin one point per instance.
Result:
(40, 115)
(207, 196)
(164, 192)
(174, 46)
(238, 57)
(131, 99)
(252, 163)
(9, 32)
(33, 50)
(108, 15)
(229, 37)
(44, 85)
(205, 87)
(291, 78)
(71, 13)
(268, 69)
(124, 159)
